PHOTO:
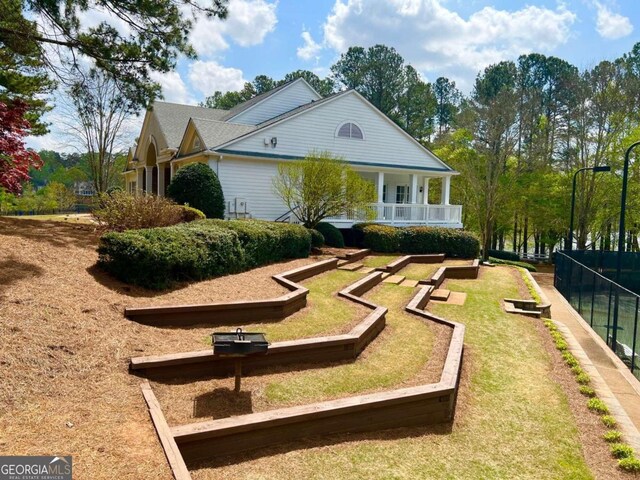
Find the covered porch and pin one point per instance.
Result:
(405, 199)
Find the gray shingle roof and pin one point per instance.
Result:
(215, 132)
(174, 117)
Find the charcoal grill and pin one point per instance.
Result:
(238, 344)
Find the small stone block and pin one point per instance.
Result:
(385, 275)
(441, 294)
(409, 283)
(366, 269)
(394, 279)
(351, 267)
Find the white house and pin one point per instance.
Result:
(244, 146)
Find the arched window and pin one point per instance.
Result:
(350, 130)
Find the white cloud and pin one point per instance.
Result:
(247, 24)
(436, 39)
(173, 87)
(207, 77)
(612, 25)
(310, 49)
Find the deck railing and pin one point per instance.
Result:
(405, 213)
(610, 309)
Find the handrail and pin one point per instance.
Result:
(286, 215)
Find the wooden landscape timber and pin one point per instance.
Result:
(399, 263)
(216, 314)
(453, 271)
(414, 406)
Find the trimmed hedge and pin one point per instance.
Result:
(317, 239)
(198, 186)
(158, 257)
(419, 240)
(504, 255)
(332, 236)
(525, 265)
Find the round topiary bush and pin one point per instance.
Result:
(317, 239)
(332, 236)
(198, 186)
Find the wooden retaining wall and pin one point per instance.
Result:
(201, 364)
(453, 271)
(414, 406)
(402, 262)
(215, 314)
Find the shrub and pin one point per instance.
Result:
(608, 421)
(190, 214)
(504, 255)
(381, 238)
(525, 265)
(157, 257)
(317, 239)
(577, 370)
(119, 211)
(583, 379)
(266, 242)
(587, 391)
(358, 233)
(598, 406)
(621, 450)
(569, 359)
(451, 242)
(332, 236)
(198, 186)
(612, 436)
(629, 464)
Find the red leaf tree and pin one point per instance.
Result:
(15, 159)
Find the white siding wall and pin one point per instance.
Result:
(253, 181)
(287, 99)
(383, 143)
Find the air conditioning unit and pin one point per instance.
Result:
(240, 205)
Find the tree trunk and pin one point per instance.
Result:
(515, 232)
(607, 238)
(501, 240)
(525, 236)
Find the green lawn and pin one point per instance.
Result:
(69, 218)
(326, 313)
(513, 420)
(376, 261)
(387, 362)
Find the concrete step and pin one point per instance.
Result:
(396, 279)
(342, 262)
(441, 294)
(351, 267)
(366, 270)
(409, 283)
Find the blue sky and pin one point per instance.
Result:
(453, 38)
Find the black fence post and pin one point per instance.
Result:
(635, 336)
(580, 291)
(593, 298)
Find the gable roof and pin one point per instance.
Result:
(311, 105)
(216, 132)
(238, 109)
(172, 118)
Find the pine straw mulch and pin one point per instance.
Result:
(66, 345)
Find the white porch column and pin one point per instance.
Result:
(446, 189)
(425, 191)
(380, 186)
(139, 177)
(161, 167)
(148, 171)
(414, 188)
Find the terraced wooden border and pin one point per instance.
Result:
(214, 314)
(402, 262)
(453, 271)
(414, 406)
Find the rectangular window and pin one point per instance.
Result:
(402, 194)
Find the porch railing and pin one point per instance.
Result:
(405, 213)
